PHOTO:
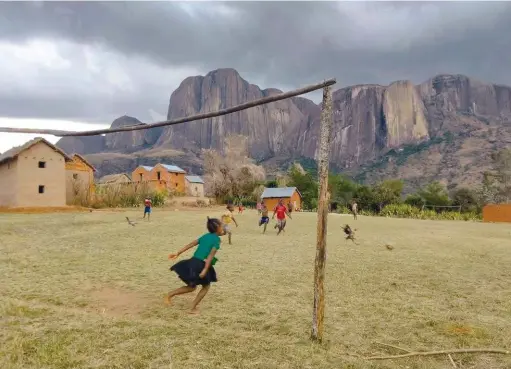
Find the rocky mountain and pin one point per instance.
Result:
(379, 131)
(270, 128)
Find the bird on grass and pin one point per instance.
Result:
(131, 223)
(389, 247)
(350, 233)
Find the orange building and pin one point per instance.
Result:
(169, 176)
(161, 177)
(271, 197)
(79, 180)
(497, 213)
(141, 173)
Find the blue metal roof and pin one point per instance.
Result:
(194, 179)
(172, 168)
(146, 167)
(279, 192)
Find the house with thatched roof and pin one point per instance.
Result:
(33, 175)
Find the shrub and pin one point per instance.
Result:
(158, 198)
(127, 196)
(409, 211)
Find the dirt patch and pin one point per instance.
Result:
(117, 302)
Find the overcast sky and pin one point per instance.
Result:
(93, 61)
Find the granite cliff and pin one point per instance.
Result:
(373, 125)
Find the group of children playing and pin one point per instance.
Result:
(199, 269)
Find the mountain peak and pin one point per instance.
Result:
(223, 72)
(124, 121)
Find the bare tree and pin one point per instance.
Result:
(496, 186)
(230, 172)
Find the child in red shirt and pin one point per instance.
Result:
(147, 208)
(281, 212)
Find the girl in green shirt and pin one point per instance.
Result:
(199, 269)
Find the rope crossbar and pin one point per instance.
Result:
(244, 106)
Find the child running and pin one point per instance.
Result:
(147, 208)
(199, 269)
(281, 212)
(227, 218)
(264, 217)
(259, 207)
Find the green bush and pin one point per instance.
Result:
(127, 196)
(158, 198)
(343, 210)
(409, 211)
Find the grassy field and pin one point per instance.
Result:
(86, 291)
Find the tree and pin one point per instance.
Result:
(387, 192)
(434, 194)
(365, 198)
(272, 183)
(231, 173)
(466, 199)
(414, 200)
(502, 174)
(306, 184)
(341, 189)
(489, 191)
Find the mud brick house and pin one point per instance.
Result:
(33, 175)
(79, 180)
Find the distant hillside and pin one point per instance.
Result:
(443, 129)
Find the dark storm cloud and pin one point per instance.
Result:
(281, 44)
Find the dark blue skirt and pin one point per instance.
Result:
(188, 271)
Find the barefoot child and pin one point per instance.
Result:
(199, 269)
(354, 209)
(147, 208)
(281, 212)
(264, 217)
(227, 219)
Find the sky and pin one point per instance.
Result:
(64, 65)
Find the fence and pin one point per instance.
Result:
(497, 213)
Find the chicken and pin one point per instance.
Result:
(131, 223)
(350, 234)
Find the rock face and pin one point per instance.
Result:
(369, 119)
(82, 145)
(446, 96)
(404, 114)
(369, 122)
(130, 141)
(267, 127)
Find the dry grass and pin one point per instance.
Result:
(42, 210)
(85, 290)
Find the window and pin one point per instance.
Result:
(42, 164)
(141, 175)
(75, 176)
(159, 175)
(41, 189)
(177, 174)
(176, 184)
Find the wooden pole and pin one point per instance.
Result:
(233, 109)
(318, 312)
